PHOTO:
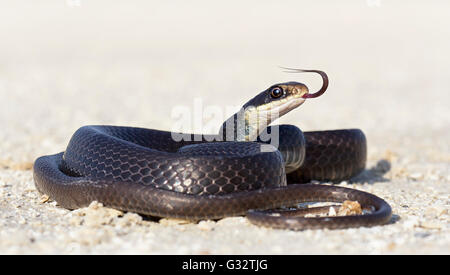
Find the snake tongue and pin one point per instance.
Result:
(321, 73)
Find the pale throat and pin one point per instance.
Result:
(249, 123)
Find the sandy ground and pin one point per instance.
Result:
(65, 64)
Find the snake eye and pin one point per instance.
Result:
(276, 92)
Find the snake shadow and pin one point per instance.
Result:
(373, 174)
(376, 174)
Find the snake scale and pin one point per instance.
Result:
(240, 173)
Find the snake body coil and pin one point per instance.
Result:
(146, 171)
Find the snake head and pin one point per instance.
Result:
(267, 106)
(278, 99)
(281, 98)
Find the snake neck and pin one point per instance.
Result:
(245, 125)
(259, 112)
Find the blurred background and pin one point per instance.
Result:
(68, 63)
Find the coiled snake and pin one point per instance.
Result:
(242, 173)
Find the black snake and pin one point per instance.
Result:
(241, 173)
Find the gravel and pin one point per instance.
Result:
(66, 65)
